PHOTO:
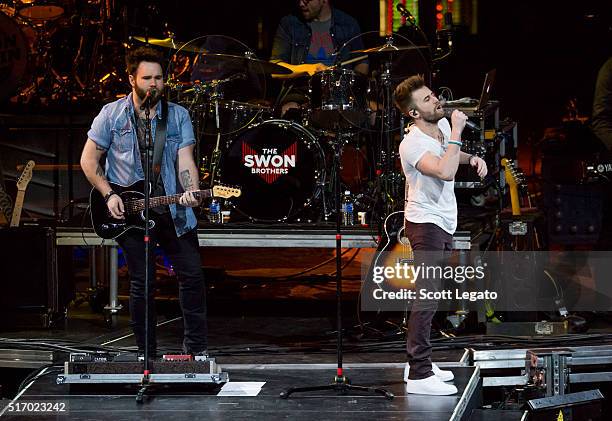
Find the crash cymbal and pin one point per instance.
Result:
(169, 43)
(246, 63)
(389, 48)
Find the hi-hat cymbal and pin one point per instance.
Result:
(246, 63)
(169, 43)
(389, 48)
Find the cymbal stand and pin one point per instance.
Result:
(390, 184)
(217, 94)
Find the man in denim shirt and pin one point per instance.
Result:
(309, 43)
(117, 134)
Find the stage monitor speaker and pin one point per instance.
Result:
(30, 287)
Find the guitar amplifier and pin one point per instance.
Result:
(31, 291)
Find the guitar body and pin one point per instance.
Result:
(107, 227)
(394, 249)
(104, 224)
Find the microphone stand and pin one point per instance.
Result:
(341, 383)
(147, 243)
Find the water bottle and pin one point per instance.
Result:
(214, 214)
(347, 209)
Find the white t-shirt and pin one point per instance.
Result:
(429, 199)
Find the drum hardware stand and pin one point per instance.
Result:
(217, 94)
(341, 383)
(387, 122)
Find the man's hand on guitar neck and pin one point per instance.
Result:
(189, 199)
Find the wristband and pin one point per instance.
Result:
(455, 142)
(108, 196)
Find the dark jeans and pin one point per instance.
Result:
(184, 253)
(426, 238)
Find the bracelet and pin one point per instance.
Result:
(455, 142)
(108, 196)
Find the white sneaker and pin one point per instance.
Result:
(430, 386)
(444, 375)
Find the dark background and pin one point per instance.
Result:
(546, 52)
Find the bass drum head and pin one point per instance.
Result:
(279, 166)
(14, 53)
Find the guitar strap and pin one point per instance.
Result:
(406, 187)
(160, 141)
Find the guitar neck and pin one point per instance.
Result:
(17, 208)
(514, 200)
(135, 206)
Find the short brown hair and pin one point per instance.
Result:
(135, 57)
(403, 93)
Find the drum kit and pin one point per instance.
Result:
(57, 51)
(284, 162)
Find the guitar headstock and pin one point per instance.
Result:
(514, 176)
(225, 192)
(26, 176)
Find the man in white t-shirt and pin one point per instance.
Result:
(430, 154)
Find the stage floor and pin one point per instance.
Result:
(119, 403)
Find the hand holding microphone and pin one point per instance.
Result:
(458, 119)
(450, 112)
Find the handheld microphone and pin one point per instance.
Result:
(151, 94)
(469, 124)
(406, 13)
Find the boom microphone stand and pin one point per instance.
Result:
(340, 383)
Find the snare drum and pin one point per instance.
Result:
(279, 166)
(232, 115)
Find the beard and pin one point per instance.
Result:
(434, 116)
(310, 15)
(142, 94)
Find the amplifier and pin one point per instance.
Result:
(30, 283)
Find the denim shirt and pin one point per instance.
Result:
(292, 39)
(114, 130)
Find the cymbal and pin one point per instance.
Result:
(246, 63)
(389, 48)
(169, 43)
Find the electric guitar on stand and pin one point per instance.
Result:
(107, 227)
(516, 180)
(22, 184)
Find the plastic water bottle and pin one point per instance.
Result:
(214, 213)
(347, 209)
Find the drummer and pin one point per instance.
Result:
(307, 43)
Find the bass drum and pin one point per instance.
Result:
(14, 51)
(279, 165)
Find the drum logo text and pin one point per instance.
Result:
(269, 164)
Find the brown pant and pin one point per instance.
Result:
(426, 238)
